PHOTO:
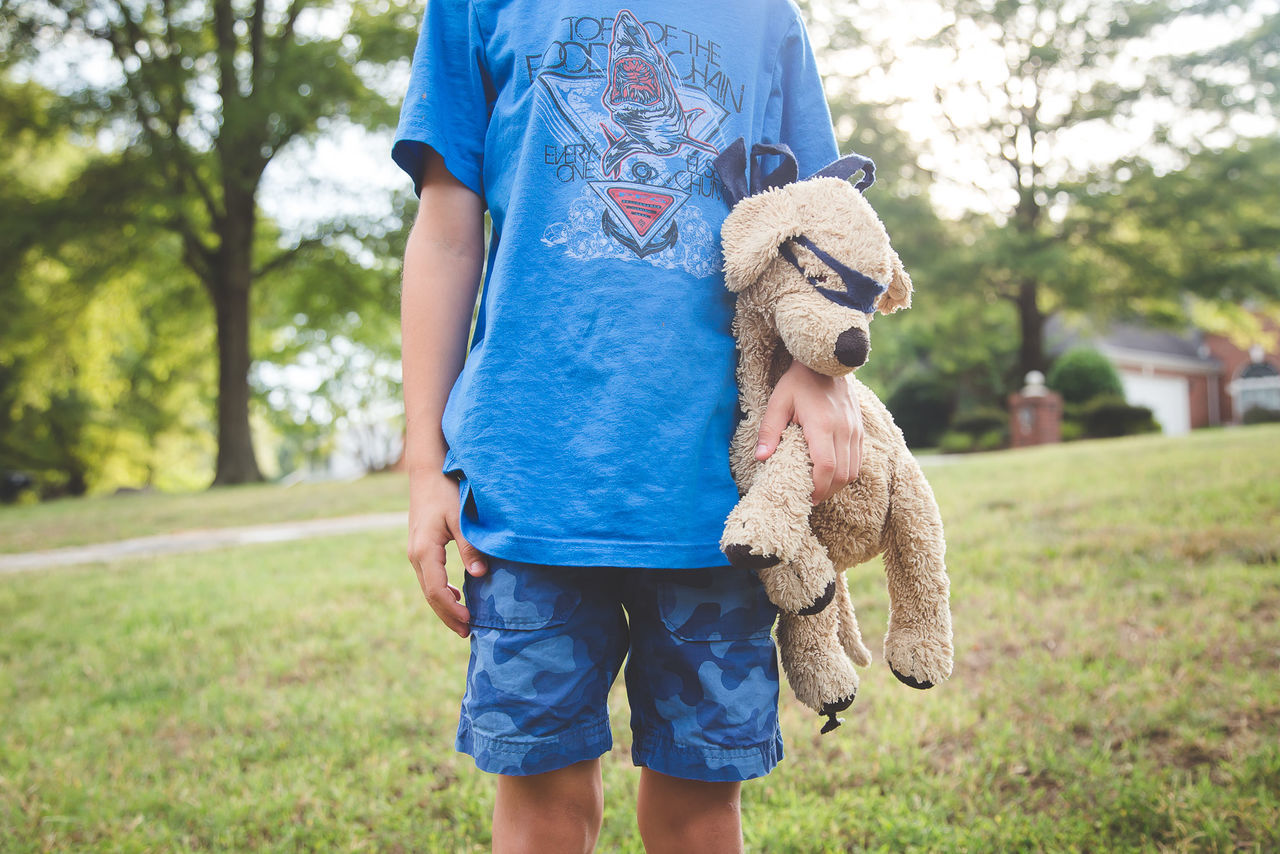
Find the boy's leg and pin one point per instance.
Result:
(678, 815)
(702, 680)
(546, 644)
(553, 811)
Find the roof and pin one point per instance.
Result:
(1126, 341)
(1257, 371)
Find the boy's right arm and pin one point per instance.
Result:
(443, 260)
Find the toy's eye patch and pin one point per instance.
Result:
(860, 291)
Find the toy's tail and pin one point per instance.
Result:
(847, 625)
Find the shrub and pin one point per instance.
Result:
(1082, 374)
(1110, 415)
(1261, 415)
(956, 443)
(992, 440)
(987, 428)
(975, 422)
(921, 404)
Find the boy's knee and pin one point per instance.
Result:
(556, 811)
(688, 815)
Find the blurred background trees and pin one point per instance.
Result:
(180, 108)
(1035, 158)
(1106, 160)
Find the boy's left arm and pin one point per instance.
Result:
(826, 408)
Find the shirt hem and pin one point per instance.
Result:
(560, 552)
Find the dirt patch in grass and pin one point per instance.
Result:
(1200, 546)
(1239, 733)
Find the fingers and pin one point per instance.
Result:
(855, 453)
(858, 435)
(835, 443)
(473, 560)
(443, 597)
(777, 415)
(822, 450)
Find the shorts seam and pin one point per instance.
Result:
(767, 746)
(584, 735)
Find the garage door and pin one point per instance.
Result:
(1168, 397)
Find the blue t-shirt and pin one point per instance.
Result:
(591, 423)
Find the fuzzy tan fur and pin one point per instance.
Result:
(889, 510)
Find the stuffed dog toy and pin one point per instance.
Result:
(810, 263)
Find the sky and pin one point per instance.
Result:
(350, 170)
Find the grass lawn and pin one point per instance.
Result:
(79, 521)
(1117, 685)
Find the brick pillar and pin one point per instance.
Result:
(1035, 414)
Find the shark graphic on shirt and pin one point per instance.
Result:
(641, 98)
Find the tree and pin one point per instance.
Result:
(1057, 67)
(953, 334)
(1209, 231)
(205, 93)
(101, 335)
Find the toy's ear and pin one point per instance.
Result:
(753, 233)
(899, 293)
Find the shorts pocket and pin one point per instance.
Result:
(520, 596)
(718, 604)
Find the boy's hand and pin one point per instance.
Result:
(826, 409)
(433, 522)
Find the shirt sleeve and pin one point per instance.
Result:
(798, 104)
(450, 97)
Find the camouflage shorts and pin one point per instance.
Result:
(547, 643)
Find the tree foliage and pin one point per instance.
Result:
(1041, 90)
(102, 370)
(201, 96)
(1057, 67)
(1209, 230)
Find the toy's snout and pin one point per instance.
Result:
(852, 347)
(828, 339)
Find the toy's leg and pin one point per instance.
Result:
(918, 645)
(847, 625)
(770, 526)
(821, 675)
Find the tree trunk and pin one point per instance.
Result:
(236, 460)
(1031, 356)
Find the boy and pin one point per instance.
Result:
(579, 457)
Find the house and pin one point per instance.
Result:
(1188, 379)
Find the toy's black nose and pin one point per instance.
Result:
(852, 347)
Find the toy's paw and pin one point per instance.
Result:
(741, 557)
(823, 600)
(917, 660)
(819, 673)
(764, 529)
(910, 681)
(797, 589)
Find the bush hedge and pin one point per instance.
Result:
(921, 403)
(1261, 415)
(981, 420)
(1082, 374)
(981, 429)
(1110, 415)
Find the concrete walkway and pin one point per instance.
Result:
(219, 538)
(198, 541)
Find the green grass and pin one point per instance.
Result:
(1116, 686)
(78, 521)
